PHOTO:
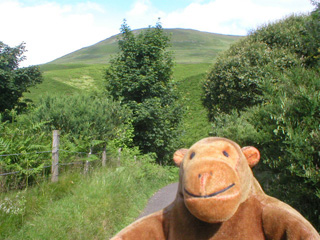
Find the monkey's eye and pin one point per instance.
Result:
(225, 153)
(192, 155)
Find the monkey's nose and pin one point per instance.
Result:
(203, 182)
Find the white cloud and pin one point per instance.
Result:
(84, 7)
(140, 7)
(143, 14)
(50, 30)
(233, 16)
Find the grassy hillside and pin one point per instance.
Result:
(189, 46)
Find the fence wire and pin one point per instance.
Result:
(32, 169)
(18, 154)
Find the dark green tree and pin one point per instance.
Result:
(14, 81)
(141, 77)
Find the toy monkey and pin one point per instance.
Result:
(219, 198)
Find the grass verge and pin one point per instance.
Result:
(94, 206)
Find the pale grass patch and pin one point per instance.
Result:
(84, 82)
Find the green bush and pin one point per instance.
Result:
(264, 91)
(298, 34)
(234, 81)
(87, 116)
(285, 33)
(311, 38)
(285, 128)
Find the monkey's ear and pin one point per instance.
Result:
(252, 155)
(179, 155)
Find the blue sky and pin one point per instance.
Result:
(53, 28)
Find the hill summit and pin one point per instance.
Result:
(188, 46)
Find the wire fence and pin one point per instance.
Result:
(18, 154)
(50, 160)
(46, 166)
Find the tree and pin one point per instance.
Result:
(15, 81)
(141, 77)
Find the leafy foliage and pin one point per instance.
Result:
(286, 130)
(298, 34)
(234, 82)
(140, 76)
(15, 81)
(265, 92)
(87, 116)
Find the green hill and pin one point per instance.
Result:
(189, 46)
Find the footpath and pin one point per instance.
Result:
(160, 199)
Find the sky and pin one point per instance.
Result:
(53, 28)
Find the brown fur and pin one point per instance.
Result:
(219, 198)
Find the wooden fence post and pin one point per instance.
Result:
(119, 156)
(87, 164)
(55, 156)
(104, 157)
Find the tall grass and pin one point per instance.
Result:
(81, 206)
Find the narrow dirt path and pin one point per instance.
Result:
(160, 199)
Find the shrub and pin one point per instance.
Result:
(286, 130)
(92, 117)
(264, 91)
(234, 81)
